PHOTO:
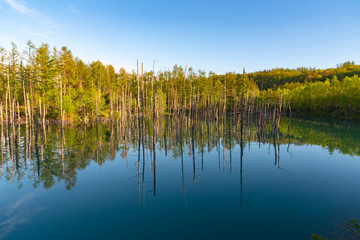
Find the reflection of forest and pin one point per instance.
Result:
(58, 157)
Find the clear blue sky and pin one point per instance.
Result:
(221, 36)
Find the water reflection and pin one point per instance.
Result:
(48, 154)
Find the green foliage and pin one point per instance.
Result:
(68, 105)
(354, 223)
(329, 98)
(277, 77)
(61, 81)
(349, 230)
(318, 237)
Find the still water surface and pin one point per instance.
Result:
(286, 186)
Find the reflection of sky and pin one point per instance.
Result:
(17, 213)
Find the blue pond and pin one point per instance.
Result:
(202, 182)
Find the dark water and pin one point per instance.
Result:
(286, 186)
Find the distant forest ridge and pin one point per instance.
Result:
(58, 85)
(279, 76)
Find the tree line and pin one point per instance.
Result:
(51, 84)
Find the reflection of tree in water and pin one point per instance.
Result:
(46, 163)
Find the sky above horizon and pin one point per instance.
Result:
(221, 36)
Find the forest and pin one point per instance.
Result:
(53, 85)
(180, 112)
